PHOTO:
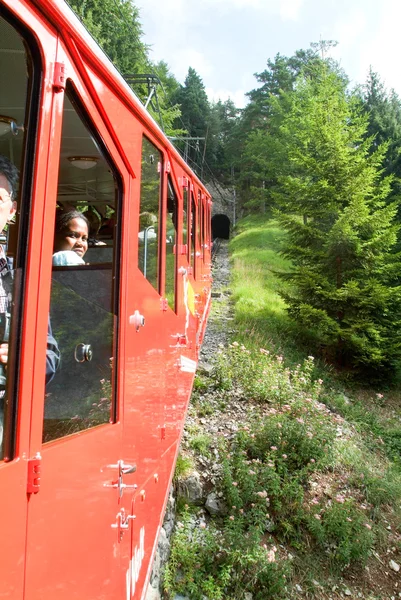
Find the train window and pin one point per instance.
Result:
(192, 232)
(171, 241)
(204, 229)
(20, 80)
(83, 297)
(185, 220)
(201, 225)
(148, 234)
(199, 221)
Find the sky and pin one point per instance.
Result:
(228, 41)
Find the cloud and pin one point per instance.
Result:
(190, 58)
(366, 36)
(237, 96)
(290, 9)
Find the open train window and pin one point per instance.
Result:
(192, 227)
(170, 244)
(199, 223)
(186, 213)
(149, 219)
(20, 82)
(84, 301)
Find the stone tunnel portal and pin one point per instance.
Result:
(221, 227)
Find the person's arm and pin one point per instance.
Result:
(52, 355)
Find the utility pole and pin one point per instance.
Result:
(187, 139)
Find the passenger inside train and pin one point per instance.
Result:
(8, 207)
(70, 238)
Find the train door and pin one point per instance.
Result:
(78, 529)
(146, 353)
(21, 73)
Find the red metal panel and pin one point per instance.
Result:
(14, 475)
(72, 549)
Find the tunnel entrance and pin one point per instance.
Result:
(221, 227)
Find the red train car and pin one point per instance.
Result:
(87, 458)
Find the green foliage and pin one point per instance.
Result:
(384, 111)
(115, 26)
(222, 566)
(195, 113)
(263, 377)
(201, 443)
(344, 276)
(343, 531)
(183, 466)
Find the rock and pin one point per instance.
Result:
(248, 596)
(191, 488)
(152, 594)
(347, 592)
(395, 566)
(204, 367)
(214, 506)
(269, 526)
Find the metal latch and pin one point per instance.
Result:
(34, 471)
(123, 469)
(59, 77)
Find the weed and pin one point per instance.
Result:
(343, 531)
(221, 565)
(201, 443)
(183, 467)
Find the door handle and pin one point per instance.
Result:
(126, 469)
(123, 469)
(137, 320)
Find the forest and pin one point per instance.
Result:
(322, 158)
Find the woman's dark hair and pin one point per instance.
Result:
(10, 172)
(64, 217)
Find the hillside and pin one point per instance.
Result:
(299, 471)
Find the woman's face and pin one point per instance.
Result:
(74, 238)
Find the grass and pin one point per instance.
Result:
(311, 480)
(259, 309)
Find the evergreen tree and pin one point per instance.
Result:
(195, 114)
(221, 135)
(384, 110)
(341, 231)
(260, 115)
(115, 26)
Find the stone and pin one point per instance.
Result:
(248, 596)
(204, 367)
(214, 506)
(152, 594)
(395, 566)
(191, 489)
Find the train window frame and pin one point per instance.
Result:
(34, 90)
(170, 187)
(83, 112)
(185, 202)
(160, 215)
(192, 232)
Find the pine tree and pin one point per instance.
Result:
(341, 230)
(384, 111)
(195, 113)
(115, 26)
